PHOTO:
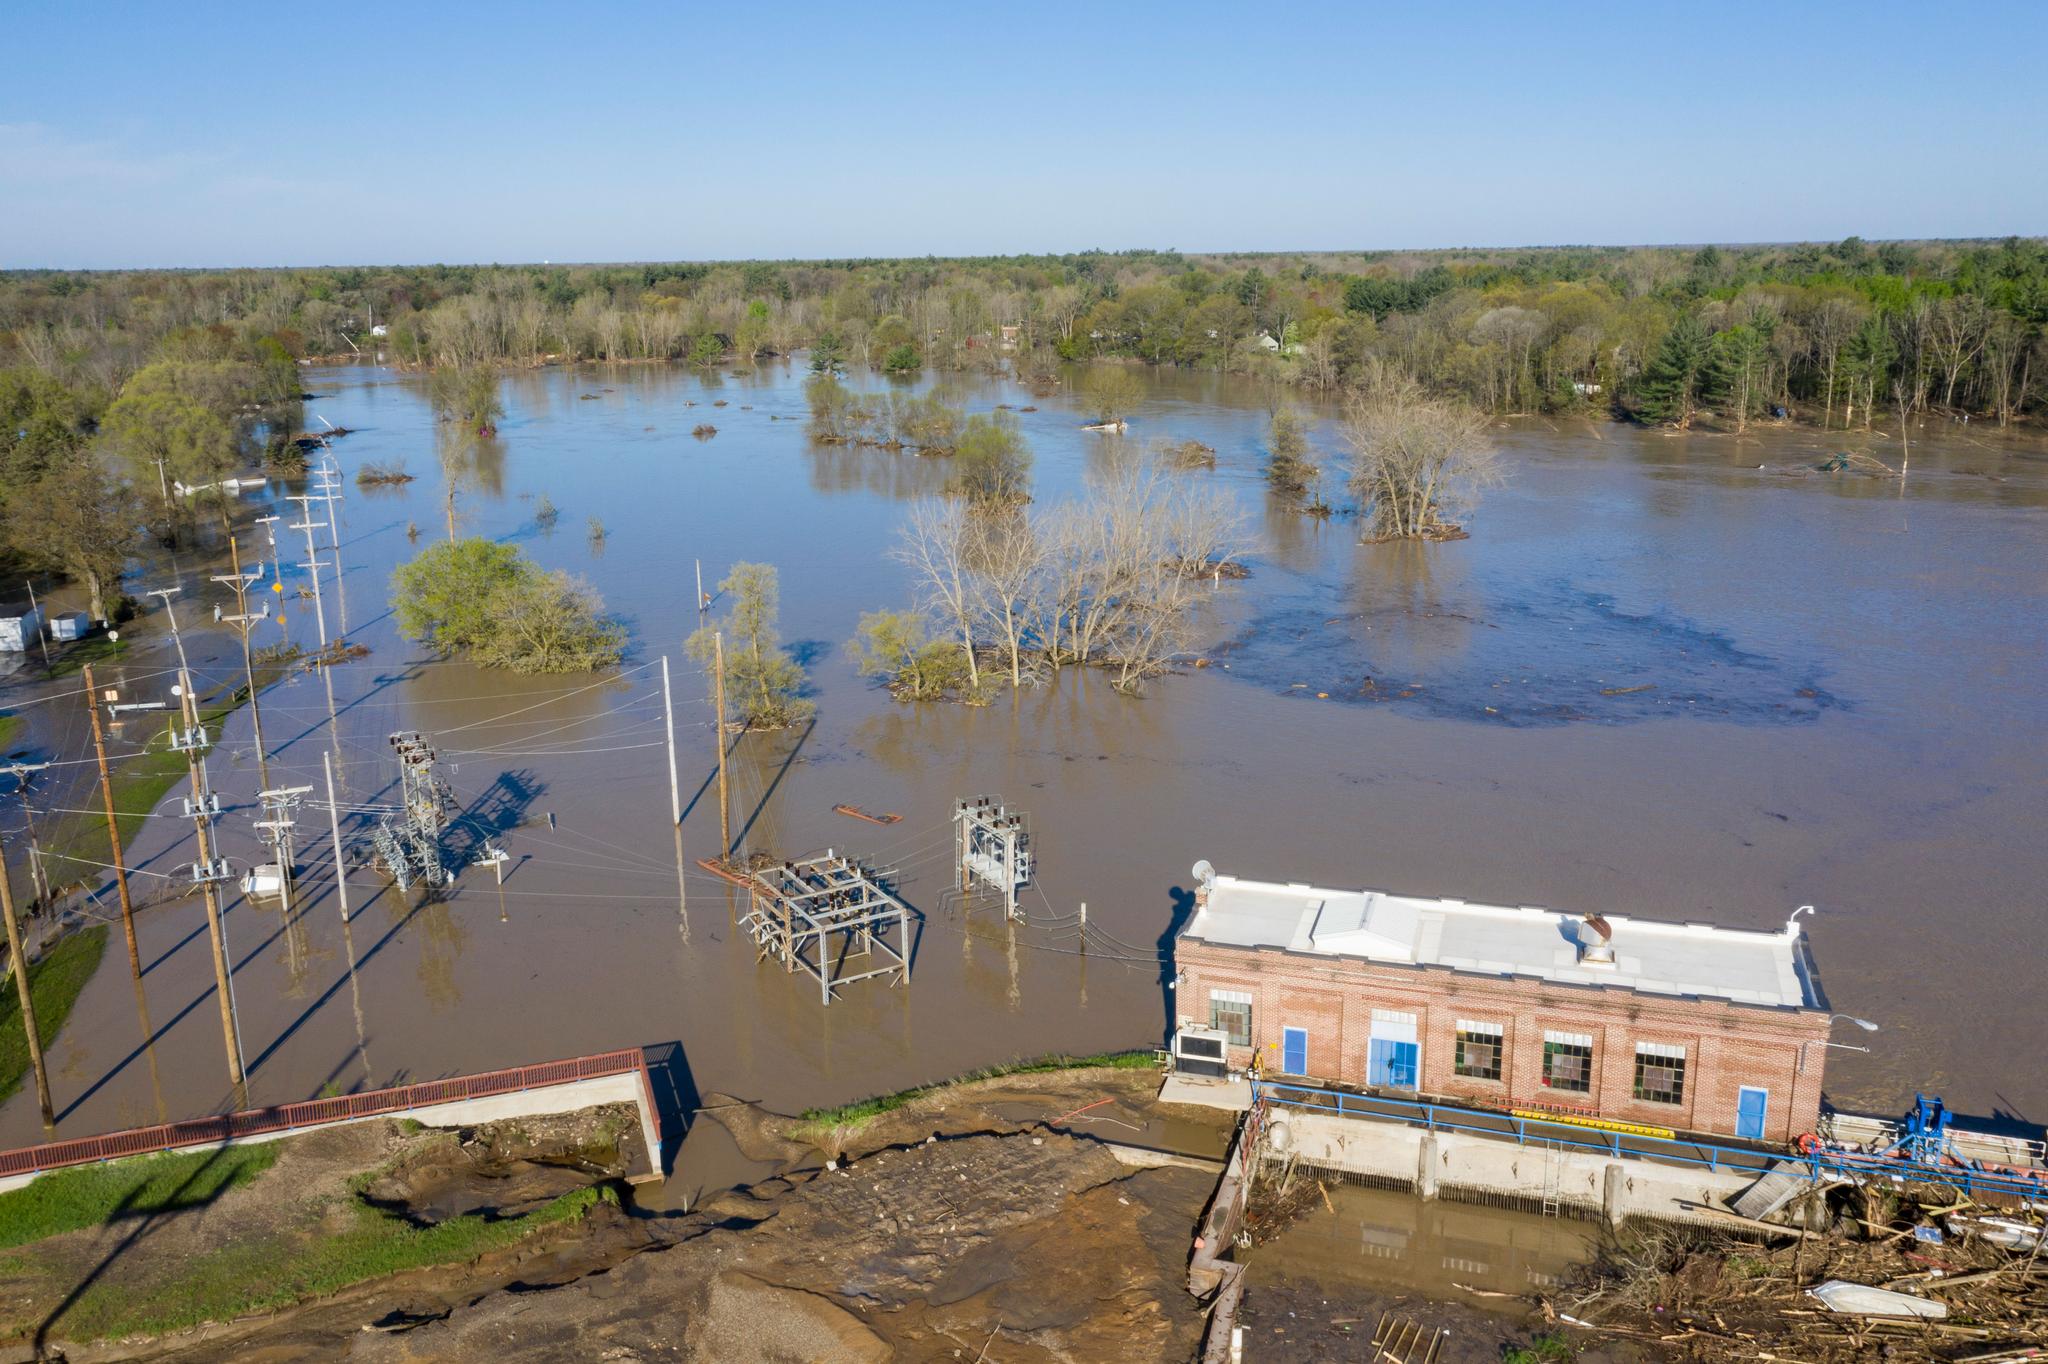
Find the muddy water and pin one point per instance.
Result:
(1387, 1241)
(1658, 679)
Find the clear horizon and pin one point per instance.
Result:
(637, 133)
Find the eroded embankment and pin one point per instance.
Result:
(975, 1212)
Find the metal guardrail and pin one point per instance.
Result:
(1819, 1165)
(252, 1122)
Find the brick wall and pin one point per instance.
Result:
(1727, 1046)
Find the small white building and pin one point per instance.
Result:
(18, 633)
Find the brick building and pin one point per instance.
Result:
(1684, 1026)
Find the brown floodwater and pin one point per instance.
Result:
(1667, 676)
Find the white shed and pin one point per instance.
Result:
(17, 633)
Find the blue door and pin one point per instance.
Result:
(1393, 1063)
(1294, 1051)
(1750, 1107)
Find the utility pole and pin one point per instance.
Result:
(701, 603)
(718, 732)
(28, 1006)
(312, 564)
(99, 749)
(38, 880)
(334, 825)
(37, 611)
(668, 721)
(329, 486)
(243, 623)
(167, 593)
(208, 872)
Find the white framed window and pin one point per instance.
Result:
(1660, 1073)
(1230, 1012)
(1479, 1053)
(1568, 1061)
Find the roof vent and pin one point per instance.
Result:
(1596, 942)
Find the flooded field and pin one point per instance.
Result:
(1674, 677)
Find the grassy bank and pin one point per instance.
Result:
(76, 846)
(54, 984)
(346, 1248)
(177, 1256)
(94, 1195)
(818, 1123)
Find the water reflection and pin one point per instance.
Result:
(1382, 1239)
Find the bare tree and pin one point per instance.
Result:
(934, 545)
(1418, 461)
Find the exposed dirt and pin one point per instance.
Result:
(984, 1214)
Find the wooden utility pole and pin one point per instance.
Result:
(38, 880)
(718, 731)
(202, 820)
(99, 749)
(28, 1005)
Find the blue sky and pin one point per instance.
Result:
(190, 135)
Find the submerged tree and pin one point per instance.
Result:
(992, 463)
(1418, 461)
(897, 645)
(468, 396)
(1112, 393)
(488, 601)
(1288, 466)
(765, 684)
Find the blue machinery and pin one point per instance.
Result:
(1924, 1155)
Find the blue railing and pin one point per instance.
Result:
(1822, 1164)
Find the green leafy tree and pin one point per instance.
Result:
(80, 518)
(491, 603)
(43, 424)
(1112, 392)
(992, 462)
(707, 350)
(897, 646)
(1671, 384)
(902, 358)
(170, 437)
(764, 684)
(551, 623)
(446, 596)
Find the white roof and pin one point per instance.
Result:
(1741, 965)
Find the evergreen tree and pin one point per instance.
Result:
(1671, 385)
(1739, 361)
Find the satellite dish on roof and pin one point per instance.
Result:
(1205, 875)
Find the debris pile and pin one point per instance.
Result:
(1915, 1278)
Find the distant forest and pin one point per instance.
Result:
(1836, 334)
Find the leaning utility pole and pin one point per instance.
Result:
(38, 879)
(99, 749)
(243, 623)
(718, 732)
(312, 564)
(28, 1006)
(208, 872)
(167, 593)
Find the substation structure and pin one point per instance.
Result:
(830, 918)
(410, 844)
(994, 847)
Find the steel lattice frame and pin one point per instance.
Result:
(817, 914)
